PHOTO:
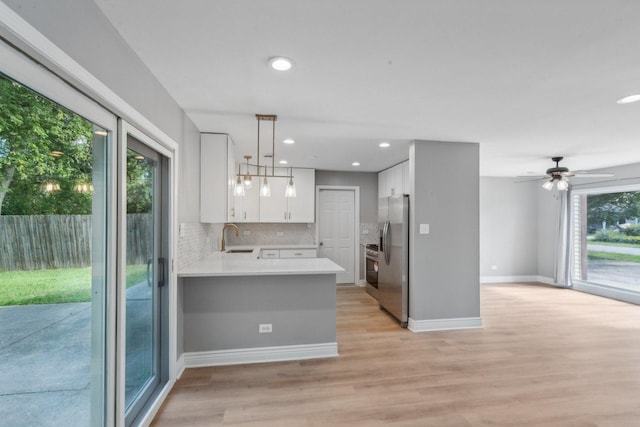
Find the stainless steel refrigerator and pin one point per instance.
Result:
(393, 260)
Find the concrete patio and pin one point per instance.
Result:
(45, 356)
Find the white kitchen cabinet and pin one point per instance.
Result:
(298, 253)
(247, 207)
(302, 208)
(391, 182)
(382, 184)
(216, 175)
(279, 208)
(270, 253)
(274, 208)
(406, 180)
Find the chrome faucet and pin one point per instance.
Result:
(223, 229)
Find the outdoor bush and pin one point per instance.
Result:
(632, 230)
(615, 236)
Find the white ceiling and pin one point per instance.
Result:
(526, 79)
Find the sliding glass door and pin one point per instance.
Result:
(145, 344)
(57, 270)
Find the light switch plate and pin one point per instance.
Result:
(279, 233)
(424, 228)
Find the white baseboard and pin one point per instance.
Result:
(444, 324)
(180, 366)
(516, 279)
(243, 356)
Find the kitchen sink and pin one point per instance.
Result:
(238, 251)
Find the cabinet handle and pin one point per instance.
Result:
(298, 254)
(285, 216)
(245, 215)
(289, 216)
(233, 212)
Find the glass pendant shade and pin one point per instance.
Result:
(265, 190)
(247, 181)
(291, 189)
(563, 185)
(548, 185)
(238, 191)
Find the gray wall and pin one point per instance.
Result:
(368, 183)
(223, 313)
(444, 265)
(508, 227)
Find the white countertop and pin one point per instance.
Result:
(247, 264)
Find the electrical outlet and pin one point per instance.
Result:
(181, 229)
(265, 328)
(365, 231)
(246, 233)
(494, 267)
(279, 233)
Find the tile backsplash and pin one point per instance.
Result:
(369, 233)
(200, 240)
(272, 234)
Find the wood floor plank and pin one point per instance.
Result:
(546, 356)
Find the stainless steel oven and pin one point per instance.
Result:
(371, 269)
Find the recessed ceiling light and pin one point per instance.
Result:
(629, 99)
(280, 63)
(384, 144)
(289, 141)
(283, 162)
(355, 164)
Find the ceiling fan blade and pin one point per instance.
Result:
(530, 179)
(583, 174)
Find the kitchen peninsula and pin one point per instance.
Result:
(239, 308)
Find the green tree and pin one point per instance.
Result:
(612, 207)
(41, 142)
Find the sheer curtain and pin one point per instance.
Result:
(561, 272)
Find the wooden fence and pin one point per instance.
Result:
(62, 241)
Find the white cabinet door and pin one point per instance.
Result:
(250, 204)
(298, 253)
(382, 184)
(274, 208)
(302, 208)
(214, 154)
(406, 180)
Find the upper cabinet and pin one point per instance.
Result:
(218, 174)
(216, 177)
(394, 181)
(278, 208)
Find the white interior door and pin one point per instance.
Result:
(336, 223)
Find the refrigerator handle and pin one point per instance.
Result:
(386, 243)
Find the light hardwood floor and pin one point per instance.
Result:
(546, 356)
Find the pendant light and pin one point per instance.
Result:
(290, 191)
(238, 190)
(247, 176)
(245, 180)
(265, 189)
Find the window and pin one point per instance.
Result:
(606, 238)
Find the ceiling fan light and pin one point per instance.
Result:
(563, 185)
(548, 185)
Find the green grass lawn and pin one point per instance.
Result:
(55, 286)
(613, 256)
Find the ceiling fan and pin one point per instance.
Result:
(558, 176)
